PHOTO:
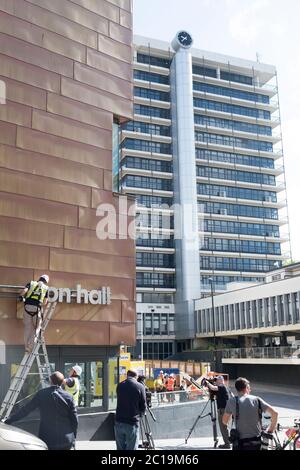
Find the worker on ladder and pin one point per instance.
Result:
(72, 384)
(34, 296)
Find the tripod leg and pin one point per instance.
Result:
(151, 442)
(142, 432)
(195, 423)
(149, 435)
(214, 422)
(192, 429)
(147, 439)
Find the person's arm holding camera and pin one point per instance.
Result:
(213, 388)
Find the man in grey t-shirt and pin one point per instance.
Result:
(247, 410)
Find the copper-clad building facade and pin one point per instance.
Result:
(67, 69)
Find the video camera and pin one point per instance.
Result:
(141, 379)
(146, 434)
(212, 381)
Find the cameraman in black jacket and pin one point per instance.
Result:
(222, 396)
(131, 406)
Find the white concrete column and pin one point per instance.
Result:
(185, 192)
(236, 317)
(275, 317)
(185, 181)
(285, 309)
(246, 314)
(292, 306)
(297, 308)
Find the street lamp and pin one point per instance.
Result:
(211, 281)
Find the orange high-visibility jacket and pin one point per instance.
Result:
(170, 384)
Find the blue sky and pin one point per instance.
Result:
(244, 28)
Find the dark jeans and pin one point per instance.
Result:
(127, 436)
(70, 447)
(249, 444)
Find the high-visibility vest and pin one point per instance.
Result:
(37, 291)
(158, 383)
(74, 390)
(170, 384)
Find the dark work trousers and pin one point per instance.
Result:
(223, 428)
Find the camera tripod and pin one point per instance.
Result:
(146, 434)
(213, 417)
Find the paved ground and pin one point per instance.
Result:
(163, 444)
(284, 399)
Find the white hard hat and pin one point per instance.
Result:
(45, 277)
(77, 369)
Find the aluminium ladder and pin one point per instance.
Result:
(195, 383)
(27, 362)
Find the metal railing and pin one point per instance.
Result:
(10, 291)
(285, 352)
(178, 397)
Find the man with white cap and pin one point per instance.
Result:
(34, 296)
(72, 384)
